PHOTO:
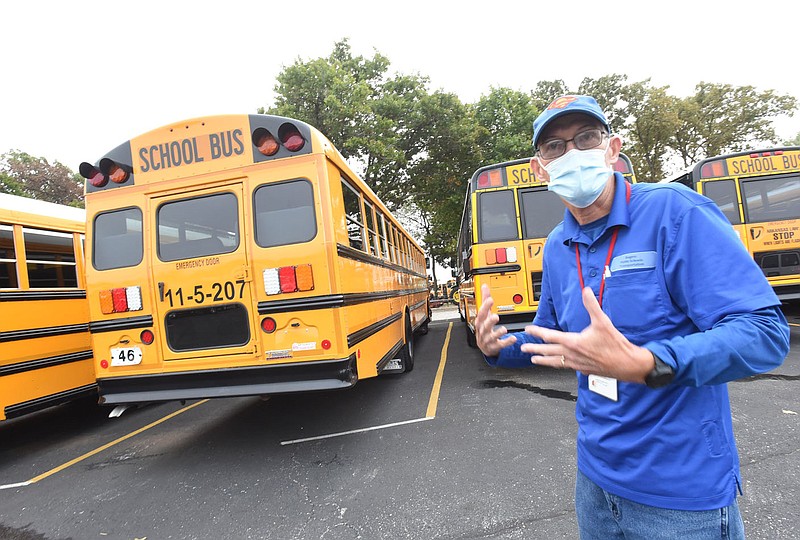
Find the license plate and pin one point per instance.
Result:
(126, 356)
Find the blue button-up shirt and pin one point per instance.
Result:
(682, 285)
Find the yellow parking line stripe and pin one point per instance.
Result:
(112, 443)
(437, 382)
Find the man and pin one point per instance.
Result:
(650, 296)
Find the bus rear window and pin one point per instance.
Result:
(198, 227)
(284, 213)
(723, 192)
(541, 211)
(771, 199)
(497, 216)
(117, 239)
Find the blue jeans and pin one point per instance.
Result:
(603, 516)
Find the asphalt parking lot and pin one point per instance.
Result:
(452, 450)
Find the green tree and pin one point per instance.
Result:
(545, 92)
(651, 123)
(793, 142)
(438, 175)
(35, 177)
(505, 118)
(721, 118)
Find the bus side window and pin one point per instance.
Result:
(50, 259)
(352, 210)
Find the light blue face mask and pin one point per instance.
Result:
(579, 176)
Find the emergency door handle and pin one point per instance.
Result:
(161, 291)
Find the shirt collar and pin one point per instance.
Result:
(619, 215)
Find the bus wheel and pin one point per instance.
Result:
(471, 337)
(407, 352)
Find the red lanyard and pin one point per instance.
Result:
(608, 256)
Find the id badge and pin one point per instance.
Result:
(605, 386)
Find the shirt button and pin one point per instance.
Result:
(593, 273)
(592, 249)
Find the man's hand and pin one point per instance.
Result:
(600, 349)
(490, 339)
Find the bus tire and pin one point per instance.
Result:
(471, 341)
(407, 352)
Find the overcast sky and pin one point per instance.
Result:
(81, 77)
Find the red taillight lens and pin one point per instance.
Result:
(326, 344)
(269, 325)
(147, 337)
(483, 180)
(120, 299)
(517, 298)
(92, 174)
(291, 138)
(104, 364)
(287, 278)
(500, 255)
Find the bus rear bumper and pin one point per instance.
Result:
(247, 381)
(516, 322)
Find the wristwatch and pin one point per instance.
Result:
(661, 375)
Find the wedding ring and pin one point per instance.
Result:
(562, 361)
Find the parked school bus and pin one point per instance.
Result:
(240, 255)
(759, 193)
(508, 213)
(45, 350)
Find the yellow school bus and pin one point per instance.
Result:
(759, 193)
(45, 349)
(240, 255)
(508, 213)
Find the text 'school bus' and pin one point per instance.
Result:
(759, 193)
(508, 214)
(45, 349)
(239, 255)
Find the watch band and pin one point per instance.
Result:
(661, 374)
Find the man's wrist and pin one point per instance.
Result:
(661, 375)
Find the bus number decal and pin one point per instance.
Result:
(198, 294)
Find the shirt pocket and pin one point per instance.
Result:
(634, 302)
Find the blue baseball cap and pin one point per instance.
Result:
(566, 105)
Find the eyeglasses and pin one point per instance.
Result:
(584, 140)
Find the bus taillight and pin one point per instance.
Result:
(290, 137)
(288, 279)
(265, 142)
(92, 174)
(491, 178)
(147, 337)
(714, 169)
(501, 255)
(517, 298)
(120, 300)
(268, 325)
